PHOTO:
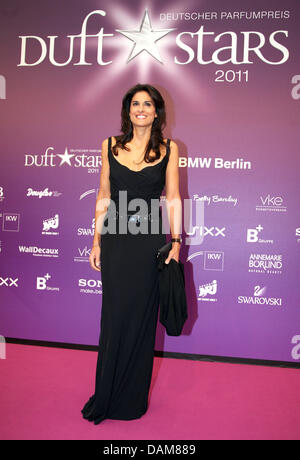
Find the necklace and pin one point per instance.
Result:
(136, 163)
(139, 162)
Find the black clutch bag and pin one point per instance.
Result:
(163, 253)
(172, 296)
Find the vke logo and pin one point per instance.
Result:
(271, 201)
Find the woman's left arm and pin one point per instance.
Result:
(173, 200)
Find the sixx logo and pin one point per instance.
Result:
(206, 231)
(9, 282)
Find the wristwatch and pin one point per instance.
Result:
(176, 240)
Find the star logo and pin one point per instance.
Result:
(145, 39)
(65, 158)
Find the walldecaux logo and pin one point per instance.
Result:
(249, 44)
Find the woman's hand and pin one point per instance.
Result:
(174, 253)
(95, 258)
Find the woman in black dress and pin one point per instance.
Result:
(139, 163)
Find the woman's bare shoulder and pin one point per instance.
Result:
(113, 140)
(173, 145)
(104, 147)
(105, 144)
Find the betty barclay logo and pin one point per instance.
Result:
(259, 298)
(81, 159)
(191, 43)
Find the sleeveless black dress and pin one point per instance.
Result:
(130, 298)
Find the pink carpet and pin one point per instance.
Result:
(42, 391)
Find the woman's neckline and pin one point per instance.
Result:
(140, 170)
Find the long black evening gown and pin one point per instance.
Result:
(130, 301)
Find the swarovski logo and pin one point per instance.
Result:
(259, 298)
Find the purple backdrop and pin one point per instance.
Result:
(230, 76)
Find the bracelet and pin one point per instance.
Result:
(96, 246)
(176, 240)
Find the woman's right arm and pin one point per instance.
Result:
(102, 203)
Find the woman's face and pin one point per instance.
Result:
(142, 109)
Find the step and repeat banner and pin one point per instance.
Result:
(229, 72)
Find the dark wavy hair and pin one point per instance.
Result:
(159, 122)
